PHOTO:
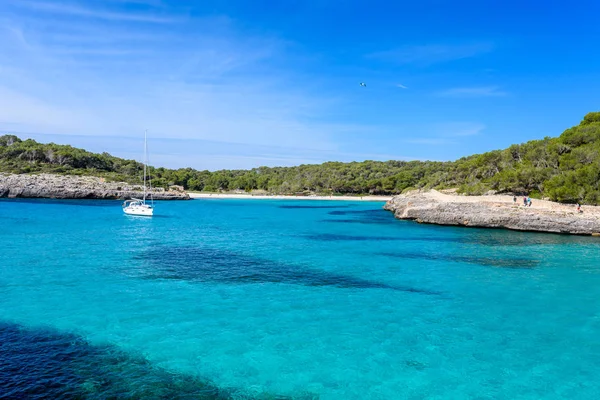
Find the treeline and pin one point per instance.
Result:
(28, 156)
(565, 168)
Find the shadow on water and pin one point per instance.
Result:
(377, 213)
(311, 207)
(361, 217)
(479, 237)
(435, 233)
(487, 261)
(330, 237)
(215, 265)
(162, 216)
(145, 218)
(46, 364)
(360, 221)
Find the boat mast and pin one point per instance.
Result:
(145, 160)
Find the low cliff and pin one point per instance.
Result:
(495, 211)
(76, 187)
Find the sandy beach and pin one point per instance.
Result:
(279, 197)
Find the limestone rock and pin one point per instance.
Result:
(494, 211)
(76, 187)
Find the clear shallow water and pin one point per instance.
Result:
(284, 299)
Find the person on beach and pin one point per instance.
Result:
(579, 208)
(515, 199)
(529, 202)
(524, 201)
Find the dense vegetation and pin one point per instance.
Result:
(566, 169)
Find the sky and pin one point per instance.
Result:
(227, 84)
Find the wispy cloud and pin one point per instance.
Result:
(152, 3)
(74, 9)
(82, 67)
(202, 79)
(474, 91)
(447, 133)
(430, 141)
(205, 154)
(432, 53)
(458, 129)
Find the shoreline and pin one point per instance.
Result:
(283, 197)
(495, 211)
(75, 187)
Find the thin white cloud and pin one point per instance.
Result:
(202, 78)
(74, 9)
(401, 86)
(37, 114)
(205, 154)
(458, 129)
(430, 141)
(217, 83)
(151, 3)
(17, 34)
(447, 133)
(477, 91)
(432, 53)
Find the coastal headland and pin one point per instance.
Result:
(495, 211)
(55, 186)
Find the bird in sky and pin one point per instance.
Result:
(363, 84)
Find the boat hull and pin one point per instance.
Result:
(137, 210)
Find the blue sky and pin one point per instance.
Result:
(239, 84)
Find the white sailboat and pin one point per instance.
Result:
(137, 206)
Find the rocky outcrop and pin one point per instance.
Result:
(76, 187)
(433, 207)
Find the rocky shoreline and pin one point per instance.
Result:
(76, 187)
(433, 207)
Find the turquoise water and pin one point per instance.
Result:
(291, 299)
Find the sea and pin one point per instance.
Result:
(283, 299)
